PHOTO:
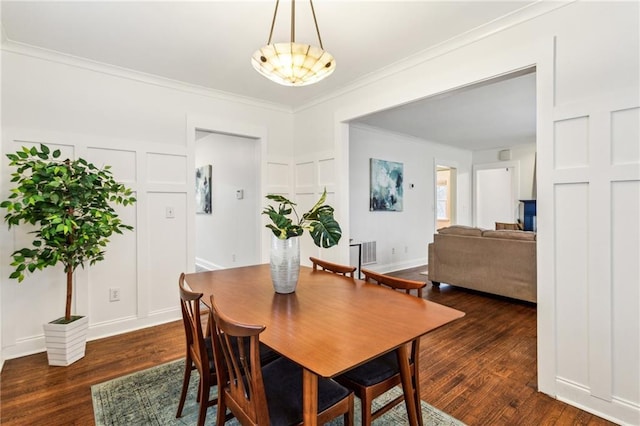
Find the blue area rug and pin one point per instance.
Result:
(150, 397)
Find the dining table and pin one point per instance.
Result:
(329, 325)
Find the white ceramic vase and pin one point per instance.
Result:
(285, 264)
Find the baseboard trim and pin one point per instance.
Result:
(396, 266)
(36, 344)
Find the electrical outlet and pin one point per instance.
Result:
(406, 249)
(233, 257)
(393, 250)
(114, 294)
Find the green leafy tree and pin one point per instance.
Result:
(319, 221)
(69, 203)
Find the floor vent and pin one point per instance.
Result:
(369, 255)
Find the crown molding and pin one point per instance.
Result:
(517, 17)
(24, 49)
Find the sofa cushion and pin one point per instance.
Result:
(469, 231)
(510, 235)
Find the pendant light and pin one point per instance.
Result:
(293, 64)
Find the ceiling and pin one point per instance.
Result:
(209, 44)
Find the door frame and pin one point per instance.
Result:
(456, 202)
(216, 125)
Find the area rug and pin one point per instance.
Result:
(150, 397)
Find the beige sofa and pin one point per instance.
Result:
(499, 262)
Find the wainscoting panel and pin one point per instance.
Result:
(327, 174)
(571, 143)
(117, 270)
(596, 243)
(625, 276)
(166, 168)
(571, 236)
(123, 163)
(166, 250)
(143, 264)
(312, 174)
(305, 177)
(625, 136)
(278, 176)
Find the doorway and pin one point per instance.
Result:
(446, 195)
(228, 235)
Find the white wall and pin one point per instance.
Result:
(230, 235)
(524, 155)
(138, 125)
(587, 83)
(401, 237)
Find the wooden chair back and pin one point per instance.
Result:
(197, 355)
(336, 268)
(190, 306)
(367, 393)
(237, 356)
(394, 282)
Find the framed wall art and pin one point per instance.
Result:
(203, 189)
(385, 193)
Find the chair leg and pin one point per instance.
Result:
(366, 403)
(416, 396)
(221, 417)
(185, 385)
(204, 401)
(349, 415)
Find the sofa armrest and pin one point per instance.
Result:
(431, 264)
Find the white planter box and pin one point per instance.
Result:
(66, 343)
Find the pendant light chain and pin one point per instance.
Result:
(315, 21)
(293, 21)
(273, 22)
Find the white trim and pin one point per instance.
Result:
(524, 14)
(205, 264)
(35, 344)
(125, 73)
(517, 17)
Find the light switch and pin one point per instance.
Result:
(240, 194)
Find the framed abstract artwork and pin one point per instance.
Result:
(385, 193)
(203, 189)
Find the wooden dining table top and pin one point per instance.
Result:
(331, 323)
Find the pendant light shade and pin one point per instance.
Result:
(293, 64)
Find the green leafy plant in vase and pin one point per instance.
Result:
(69, 204)
(285, 248)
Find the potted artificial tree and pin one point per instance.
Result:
(69, 204)
(285, 245)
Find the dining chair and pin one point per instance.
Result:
(199, 354)
(381, 374)
(271, 394)
(346, 270)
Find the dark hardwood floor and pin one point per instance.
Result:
(480, 369)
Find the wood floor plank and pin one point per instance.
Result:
(480, 369)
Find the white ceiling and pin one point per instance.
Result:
(209, 44)
(498, 113)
